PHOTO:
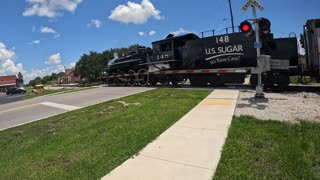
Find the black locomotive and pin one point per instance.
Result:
(207, 60)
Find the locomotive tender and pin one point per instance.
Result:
(217, 60)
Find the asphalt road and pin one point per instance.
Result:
(26, 111)
(4, 99)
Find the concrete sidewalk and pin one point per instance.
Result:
(190, 149)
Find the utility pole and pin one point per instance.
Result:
(231, 16)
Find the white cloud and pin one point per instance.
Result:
(180, 31)
(95, 22)
(47, 30)
(141, 33)
(50, 8)
(43, 72)
(151, 33)
(35, 42)
(9, 67)
(5, 53)
(301, 49)
(72, 65)
(135, 13)
(7, 64)
(57, 35)
(54, 59)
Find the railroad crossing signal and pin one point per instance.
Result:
(265, 26)
(252, 3)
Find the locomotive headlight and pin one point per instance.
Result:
(264, 25)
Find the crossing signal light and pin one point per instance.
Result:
(264, 25)
(245, 27)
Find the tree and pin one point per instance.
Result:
(45, 80)
(53, 76)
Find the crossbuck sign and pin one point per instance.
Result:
(252, 3)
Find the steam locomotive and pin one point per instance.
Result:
(217, 60)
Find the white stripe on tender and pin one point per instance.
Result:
(60, 106)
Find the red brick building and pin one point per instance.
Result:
(7, 81)
(69, 78)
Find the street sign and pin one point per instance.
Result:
(258, 5)
(252, 3)
(246, 6)
(258, 45)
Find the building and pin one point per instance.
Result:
(69, 78)
(7, 82)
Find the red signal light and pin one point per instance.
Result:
(245, 27)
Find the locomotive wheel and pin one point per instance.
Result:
(153, 81)
(122, 80)
(183, 80)
(110, 82)
(254, 80)
(143, 77)
(282, 81)
(174, 83)
(165, 82)
(214, 81)
(268, 82)
(197, 81)
(116, 82)
(131, 78)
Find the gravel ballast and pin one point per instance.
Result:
(291, 106)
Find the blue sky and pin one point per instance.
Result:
(38, 37)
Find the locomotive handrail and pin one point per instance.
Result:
(214, 30)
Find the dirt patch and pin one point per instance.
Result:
(125, 104)
(291, 107)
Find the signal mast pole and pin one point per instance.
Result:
(259, 88)
(231, 16)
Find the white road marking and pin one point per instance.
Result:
(60, 106)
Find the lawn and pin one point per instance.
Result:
(306, 80)
(88, 143)
(258, 149)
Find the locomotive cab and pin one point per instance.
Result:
(169, 50)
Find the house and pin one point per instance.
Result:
(69, 78)
(7, 82)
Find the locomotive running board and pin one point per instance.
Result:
(198, 71)
(158, 62)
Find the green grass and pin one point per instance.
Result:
(30, 95)
(258, 149)
(90, 142)
(295, 80)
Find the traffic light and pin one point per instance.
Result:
(264, 25)
(245, 27)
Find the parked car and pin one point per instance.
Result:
(15, 90)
